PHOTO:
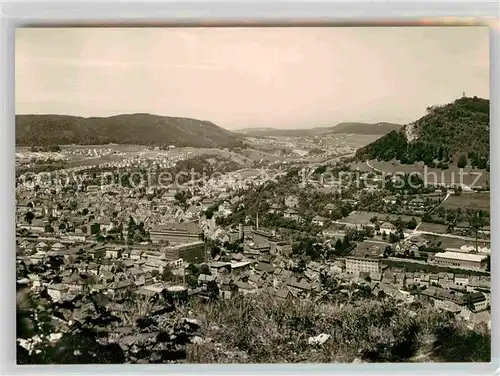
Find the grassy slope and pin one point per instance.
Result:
(271, 330)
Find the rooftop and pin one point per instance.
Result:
(461, 256)
(241, 264)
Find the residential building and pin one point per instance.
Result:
(355, 265)
(387, 228)
(281, 248)
(56, 291)
(330, 208)
(219, 268)
(319, 220)
(291, 214)
(238, 268)
(479, 301)
(114, 252)
(135, 254)
(461, 280)
(292, 201)
(445, 299)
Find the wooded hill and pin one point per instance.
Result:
(457, 132)
(138, 129)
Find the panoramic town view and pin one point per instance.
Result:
(252, 195)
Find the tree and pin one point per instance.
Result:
(338, 245)
(167, 275)
(193, 270)
(462, 161)
(412, 224)
(477, 222)
(29, 216)
(182, 197)
(192, 281)
(388, 251)
(213, 290)
(457, 190)
(384, 236)
(381, 295)
(393, 238)
(399, 224)
(215, 250)
(346, 243)
(301, 266)
(205, 269)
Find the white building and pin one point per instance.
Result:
(356, 265)
(471, 261)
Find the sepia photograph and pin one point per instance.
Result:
(252, 194)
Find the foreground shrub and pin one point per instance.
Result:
(261, 329)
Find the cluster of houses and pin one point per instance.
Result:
(60, 234)
(466, 257)
(416, 204)
(264, 264)
(464, 294)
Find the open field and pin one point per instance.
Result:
(257, 155)
(363, 218)
(450, 242)
(475, 200)
(76, 159)
(452, 176)
(360, 166)
(369, 248)
(122, 148)
(433, 227)
(345, 139)
(80, 162)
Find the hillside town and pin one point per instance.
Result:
(192, 240)
(270, 196)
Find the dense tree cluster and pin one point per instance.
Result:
(442, 135)
(136, 232)
(46, 148)
(141, 129)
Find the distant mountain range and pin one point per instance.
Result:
(141, 129)
(457, 132)
(341, 128)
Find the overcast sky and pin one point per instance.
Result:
(250, 77)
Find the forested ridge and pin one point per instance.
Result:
(457, 133)
(141, 129)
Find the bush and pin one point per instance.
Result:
(462, 161)
(271, 330)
